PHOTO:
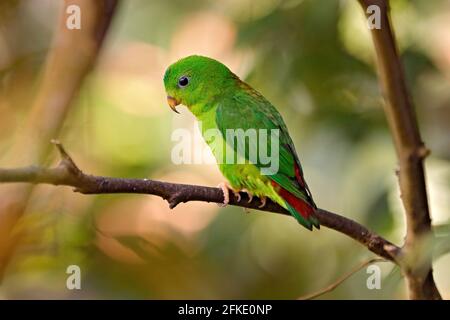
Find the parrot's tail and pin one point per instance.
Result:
(300, 210)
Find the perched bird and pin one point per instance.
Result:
(225, 104)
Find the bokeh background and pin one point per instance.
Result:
(312, 59)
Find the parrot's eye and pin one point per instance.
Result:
(183, 81)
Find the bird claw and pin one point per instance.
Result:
(225, 187)
(263, 202)
(250, 196)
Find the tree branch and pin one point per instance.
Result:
(411, 152)
(68, 174)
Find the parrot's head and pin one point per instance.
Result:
(196, 81)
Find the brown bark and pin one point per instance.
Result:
(411, 151)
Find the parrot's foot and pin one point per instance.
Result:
(263, 202)
(225, 187)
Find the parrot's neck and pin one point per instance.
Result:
(201, 110)
(206, 118)
(211, 134)
(210, 102)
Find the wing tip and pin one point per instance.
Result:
(309, 222)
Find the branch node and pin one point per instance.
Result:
(66, 160)
(423, 152)
(392, 250)
(174, 200)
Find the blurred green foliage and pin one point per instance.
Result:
(314, 60)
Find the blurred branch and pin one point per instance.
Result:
(67, 173)
(70, 59)
(335, 284)
(411, 151)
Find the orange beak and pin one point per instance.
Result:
(173, 103)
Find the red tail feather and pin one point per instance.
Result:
(298, 175)
(301, 206)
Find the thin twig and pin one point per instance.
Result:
(335, 284)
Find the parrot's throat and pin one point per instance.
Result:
(200, 109)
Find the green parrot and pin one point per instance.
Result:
(225, 105)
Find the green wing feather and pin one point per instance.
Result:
(247, 109)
